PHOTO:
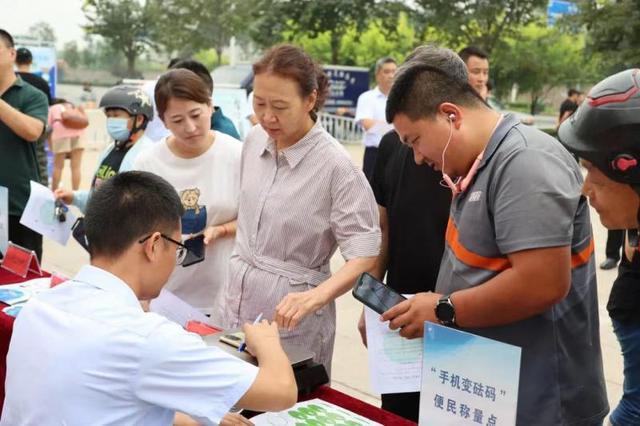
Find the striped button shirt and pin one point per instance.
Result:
(296, 207)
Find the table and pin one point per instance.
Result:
(357, 406)
(323, 392)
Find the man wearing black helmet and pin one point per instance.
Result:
(603, 132)
(128, 111)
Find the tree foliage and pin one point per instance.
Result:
(43, 31)
(126, 24)
(613, 29)
(539, 58)
(477, 22)
(185, 27)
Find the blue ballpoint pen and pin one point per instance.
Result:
(243, 346)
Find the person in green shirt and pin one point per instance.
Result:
(23, 114)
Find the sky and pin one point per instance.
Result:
(65, 16)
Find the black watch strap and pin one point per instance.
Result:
(446, 311)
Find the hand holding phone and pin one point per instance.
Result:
(376, 294)
(196, 249)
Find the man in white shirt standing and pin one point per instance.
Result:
(85, 353)
(370, 112)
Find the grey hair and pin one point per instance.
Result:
(438, 57)
(383, 61)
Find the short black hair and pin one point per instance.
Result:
(469, 51)
(6, 37)
(128, 207)
(420, 89)
(198, 68)
(384, 61)
(573, 92)
(24, 56)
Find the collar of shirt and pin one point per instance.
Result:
(108, 282)
(378, 93)
(296, 152)
(506, 124)
(18, 83)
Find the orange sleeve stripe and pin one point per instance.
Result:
(582, 258)
(499, 264)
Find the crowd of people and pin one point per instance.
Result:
(479, 216)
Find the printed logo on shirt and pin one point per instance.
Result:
(194, 218)
(475, 196)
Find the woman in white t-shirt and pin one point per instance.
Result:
(204, 167)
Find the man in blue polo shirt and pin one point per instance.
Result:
(518, 265)
(23, 114)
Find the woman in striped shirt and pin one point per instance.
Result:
(301, 198)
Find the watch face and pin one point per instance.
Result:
(445, 312)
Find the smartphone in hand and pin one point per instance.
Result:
(195, 253)
(376, 294)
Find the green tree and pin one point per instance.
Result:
(126, 24)
(187, 26)
(329, 20)
(361, 48)
(479, 22)
(71, 54)
(540, 58)
(613, 31)
(43, 31)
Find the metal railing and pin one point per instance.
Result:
(342, 128)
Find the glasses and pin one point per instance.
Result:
(181, 249)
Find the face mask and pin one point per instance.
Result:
(117, 129)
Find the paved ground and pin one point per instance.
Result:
(350, 370)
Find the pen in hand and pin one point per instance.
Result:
(243, 346)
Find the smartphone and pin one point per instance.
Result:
(77, 230)
(376, 294)
(233, 339)
(195, 253)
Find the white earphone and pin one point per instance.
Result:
(452, 117)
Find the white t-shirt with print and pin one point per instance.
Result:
(209, 187)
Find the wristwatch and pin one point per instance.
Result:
(445, 311)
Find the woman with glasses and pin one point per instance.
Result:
(203, 165)
(301, 199)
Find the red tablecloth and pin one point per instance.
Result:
(357, 406)
(6, 326)
(324, 392)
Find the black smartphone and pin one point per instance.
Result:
(195, 251)
(77, 230)
(376, 294)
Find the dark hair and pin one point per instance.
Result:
(294, 63)
(420, 89)
(469, 51)
(56, 101)
(128, 207)
(198, 68)
(24, 56)
(383, 61)
(181, 84)
(573, 92)
(172, 62)
(6, 37)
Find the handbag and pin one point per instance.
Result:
(74, 118)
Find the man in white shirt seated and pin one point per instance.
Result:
(85, 353)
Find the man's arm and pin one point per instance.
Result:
(274, 388)
(538, 279)
(23, 125)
